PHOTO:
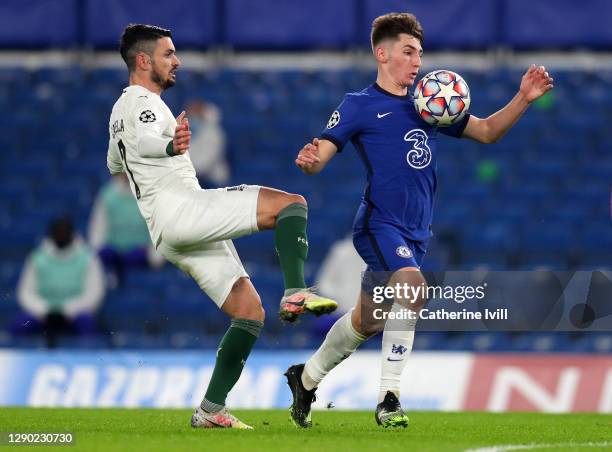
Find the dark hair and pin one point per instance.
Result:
(391, 25)
(138, 38)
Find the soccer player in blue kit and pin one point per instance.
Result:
(393, 223)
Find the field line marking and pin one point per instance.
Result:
(510, 447)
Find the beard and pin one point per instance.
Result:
(159, 80)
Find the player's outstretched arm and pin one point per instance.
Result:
(313, 157)
(535, 83)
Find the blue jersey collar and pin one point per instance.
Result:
(377, 87)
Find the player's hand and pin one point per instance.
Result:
(182, 135)
(308, 156)
(535, 83)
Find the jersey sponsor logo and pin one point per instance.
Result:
(403, 251)
(378, 115)
(420, 154)
(333, 120)
(147, 116)
(236, 188)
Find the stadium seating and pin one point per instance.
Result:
(548, 203)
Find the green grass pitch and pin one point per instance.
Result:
(169, 430)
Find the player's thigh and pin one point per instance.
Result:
(214, 266)
(211, 215)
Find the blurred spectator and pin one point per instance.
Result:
(207, 150)
(118, 231)
(339, 278)
(340, 275)
(61, 285)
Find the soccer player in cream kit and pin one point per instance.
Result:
(393, 223)
(192, 227)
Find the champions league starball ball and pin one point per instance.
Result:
(442, 98)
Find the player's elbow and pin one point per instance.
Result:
(487, 136)
(489, 139)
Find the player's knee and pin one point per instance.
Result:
(255, 310)
(290, 203)
(290, 199)
(297, 199)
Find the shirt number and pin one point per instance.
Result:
(121, 147)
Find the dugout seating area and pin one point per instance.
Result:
(538, 198)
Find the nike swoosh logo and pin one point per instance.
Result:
(383, 115)
(295, 303)
(389, 359)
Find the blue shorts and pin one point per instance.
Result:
(385, 250)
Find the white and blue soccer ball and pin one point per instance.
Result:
(442, 98)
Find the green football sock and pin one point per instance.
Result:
(232, 354)
(292, 245)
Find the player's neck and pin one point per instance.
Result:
(390, 86)
(137, 79)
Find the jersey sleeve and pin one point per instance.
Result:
(113, 159)
(343, 123)
(150, 124)
(456, 130)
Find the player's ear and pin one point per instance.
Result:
(381, 53)
(142, 60)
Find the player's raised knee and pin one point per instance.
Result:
(300, 199)
(295, 199)
(291, 205)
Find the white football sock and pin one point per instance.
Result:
(397, 340)
(340, 342)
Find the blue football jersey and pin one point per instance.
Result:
(399, 151)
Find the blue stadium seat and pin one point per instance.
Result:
(549, 206)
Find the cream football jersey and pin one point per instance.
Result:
(141, 129)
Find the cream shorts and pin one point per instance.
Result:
(197, 234)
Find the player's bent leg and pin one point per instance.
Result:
(288, 215)
(244, 302)
(270, 202)
(397, 341)
(340, 342)
(243, 305)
